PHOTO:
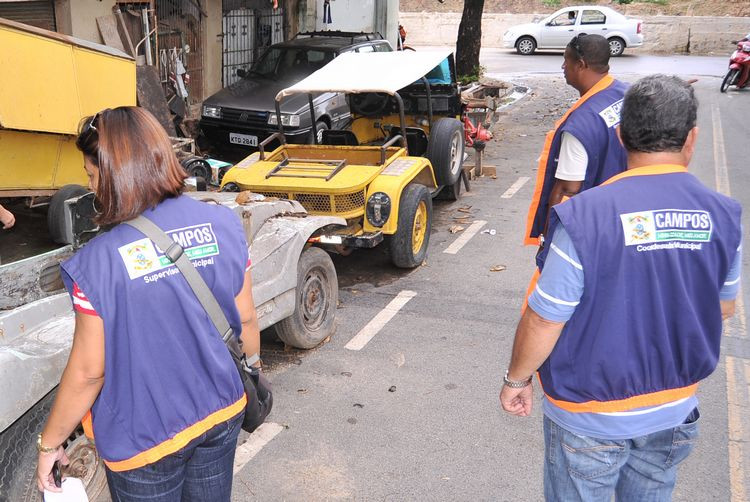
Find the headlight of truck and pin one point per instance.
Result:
(378, 209)
(213, 112)
(287, 120)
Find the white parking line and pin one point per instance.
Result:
(254, 443)
(515, 187)
(373, 327)
(464, 237)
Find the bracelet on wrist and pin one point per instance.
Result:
(515, 384)
(44, 449)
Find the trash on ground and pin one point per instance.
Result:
(455, 229)
(465, 209)
(358, 405)
(392, 388)
(497, 268)
(490, 231)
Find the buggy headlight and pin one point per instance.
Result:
(378, 209)
(212, 111)
(287, 120)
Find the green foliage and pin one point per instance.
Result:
(474, 76)
(551, 3)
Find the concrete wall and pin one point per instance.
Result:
(83, 14)
(663, 34)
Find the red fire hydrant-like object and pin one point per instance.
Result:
(476, 133)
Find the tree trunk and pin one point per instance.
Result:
(469, 38)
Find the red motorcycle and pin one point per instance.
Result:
(739, 67)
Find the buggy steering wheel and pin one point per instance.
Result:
(369, 104)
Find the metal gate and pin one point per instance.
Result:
(179, 37)
(246, 34)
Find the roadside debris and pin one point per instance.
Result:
(392, 388)
(359, 405)
(455, 229)
(490, 231)
(346, 373)
(498, 268)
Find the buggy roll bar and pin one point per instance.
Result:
(401, 116)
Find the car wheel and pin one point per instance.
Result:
(197, 167)
(18, 456)
(445, 150)
(616, 46)
(526, 46)
(729, 79)
(409, 244)
(320, 126)
(451, 192)
(56, 211)
(317, 297)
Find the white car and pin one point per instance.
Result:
(555, 31)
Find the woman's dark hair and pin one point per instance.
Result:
(657, 115)
(137, 166)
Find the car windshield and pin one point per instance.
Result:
(286, 62)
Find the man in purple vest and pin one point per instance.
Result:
(626, 317)
(582, 150)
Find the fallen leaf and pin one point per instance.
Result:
(466, 209)
(328, 339)
(358, 405)
(392, 388)
(302, 391)
(498, 268)
(455, 229)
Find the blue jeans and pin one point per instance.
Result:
(640, 469)
(199, 472)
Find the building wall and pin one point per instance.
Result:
(212, 42)
(662, 34)
(80, 17)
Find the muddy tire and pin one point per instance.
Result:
(18, 457)
(56, 211)
(409, 244)
(446, 150)
(729, 79)
(316, 301)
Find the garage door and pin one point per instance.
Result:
(40, 13)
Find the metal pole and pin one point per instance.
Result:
(147, 31)
(429, 100)
(278, 116)
(312, 118)
(402, 117)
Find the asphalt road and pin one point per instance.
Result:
(414, 414)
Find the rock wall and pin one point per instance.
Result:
(663, 34)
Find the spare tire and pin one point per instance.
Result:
(56, 211)
(446, 150)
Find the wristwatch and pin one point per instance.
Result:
(42, 448)
(515, 384)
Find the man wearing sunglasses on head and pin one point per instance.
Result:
(583, 150)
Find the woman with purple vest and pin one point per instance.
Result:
(148, 374)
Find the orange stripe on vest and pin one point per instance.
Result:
(542, 166)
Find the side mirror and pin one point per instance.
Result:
(241, 72)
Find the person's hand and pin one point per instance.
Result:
(517, 401)
(7, 218)
(44, 479)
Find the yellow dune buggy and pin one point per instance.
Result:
(377, 174)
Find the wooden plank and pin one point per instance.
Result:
(151, 96)
(125, 34)
(108, 29)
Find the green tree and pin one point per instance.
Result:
(469, 40)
